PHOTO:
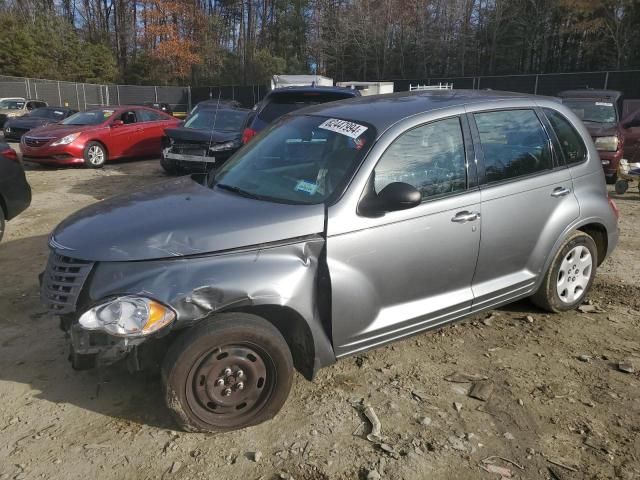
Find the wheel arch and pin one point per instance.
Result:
(598, 232)
(295, 331)
(101, 142)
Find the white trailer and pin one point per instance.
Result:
(369, 88)
(280, 81)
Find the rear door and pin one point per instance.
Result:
(151, 125)
(527, 202)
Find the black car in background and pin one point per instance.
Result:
(210, 135)
(15, 192)
(14, 128)
(162, 106)
(280, 101)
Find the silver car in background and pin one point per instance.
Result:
(340, 228)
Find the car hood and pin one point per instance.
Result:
(601, 129)
(59, 130)
(29, 122)
(177, 218)
(198, 135)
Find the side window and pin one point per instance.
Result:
(128, 117)
(571, 143)
(514, 144)
(40, 104)
(30, 105)
(148, 116)
(430, 157)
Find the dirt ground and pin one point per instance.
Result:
(560, 406)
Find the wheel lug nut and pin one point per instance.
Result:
(219, 382)
(227, 392)
(240, 386)
(239, 373)
(227, 371)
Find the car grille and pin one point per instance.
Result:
(62, 282)
(189, 148)
(35, 142)
(17, 132)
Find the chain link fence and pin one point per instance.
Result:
(83, 96)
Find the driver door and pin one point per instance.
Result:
(123, 138)
(406, 271)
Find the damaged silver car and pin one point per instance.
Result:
(340, 228)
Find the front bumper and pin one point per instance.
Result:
(610, 162)
(71, 154)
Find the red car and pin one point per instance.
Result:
(96, 136)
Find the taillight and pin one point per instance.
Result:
(614, 207)
(10, 153)
(247, 135)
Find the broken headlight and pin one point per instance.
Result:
(128, 316)
(223, 146)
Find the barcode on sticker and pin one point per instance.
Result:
(343, 127)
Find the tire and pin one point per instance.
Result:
(621, 187)
(170, 166)
(2, 223)
(95, 155)
(203, 385)
(549, 297)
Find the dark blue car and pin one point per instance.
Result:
(281, 101)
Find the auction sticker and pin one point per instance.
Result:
(350, 129)
(604, 104)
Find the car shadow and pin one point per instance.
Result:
(34, 352)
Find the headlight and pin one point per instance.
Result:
(8, 129)
(605, 162)
(607, 144)
(128, 316)
(66, 140)
(222, 146)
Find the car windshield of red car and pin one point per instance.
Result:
(593, 111)
(91, 117)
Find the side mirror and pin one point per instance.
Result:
(393, 197)
(117, 123)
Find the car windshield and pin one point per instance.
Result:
(47, 113)
(91, 117)
(281, 104)
(593, 111)
(12, 104)
(223, 120)
(302, 160)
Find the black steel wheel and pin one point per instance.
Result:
(228, 372)
(621, 187)
(2, 223)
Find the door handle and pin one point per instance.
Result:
(465, 216)
(560, 192)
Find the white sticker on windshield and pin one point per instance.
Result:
(58, 112)
(350, 129)
(306, 187)
(604, 104)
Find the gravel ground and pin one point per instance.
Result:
(560, 408)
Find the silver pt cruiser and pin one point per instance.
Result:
(340, 228)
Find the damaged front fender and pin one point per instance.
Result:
(279, 281)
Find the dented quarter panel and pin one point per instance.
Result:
(280, 274)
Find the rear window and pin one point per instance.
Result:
(593, 111)
(282, 104)
(571, 143)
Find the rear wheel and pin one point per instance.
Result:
(570, 275)
(228, 372)
(95, 155)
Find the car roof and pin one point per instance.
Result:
(311, 89)
(591, 93)
(382, 111)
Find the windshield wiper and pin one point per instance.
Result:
(237, 190)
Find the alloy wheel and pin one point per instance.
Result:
(574, 275)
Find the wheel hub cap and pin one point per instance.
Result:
(96, 155)
(574, 274)
(230, 381)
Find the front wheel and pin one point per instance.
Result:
(621, 187)
(570, 275)
(95, 155)
(230, 371)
